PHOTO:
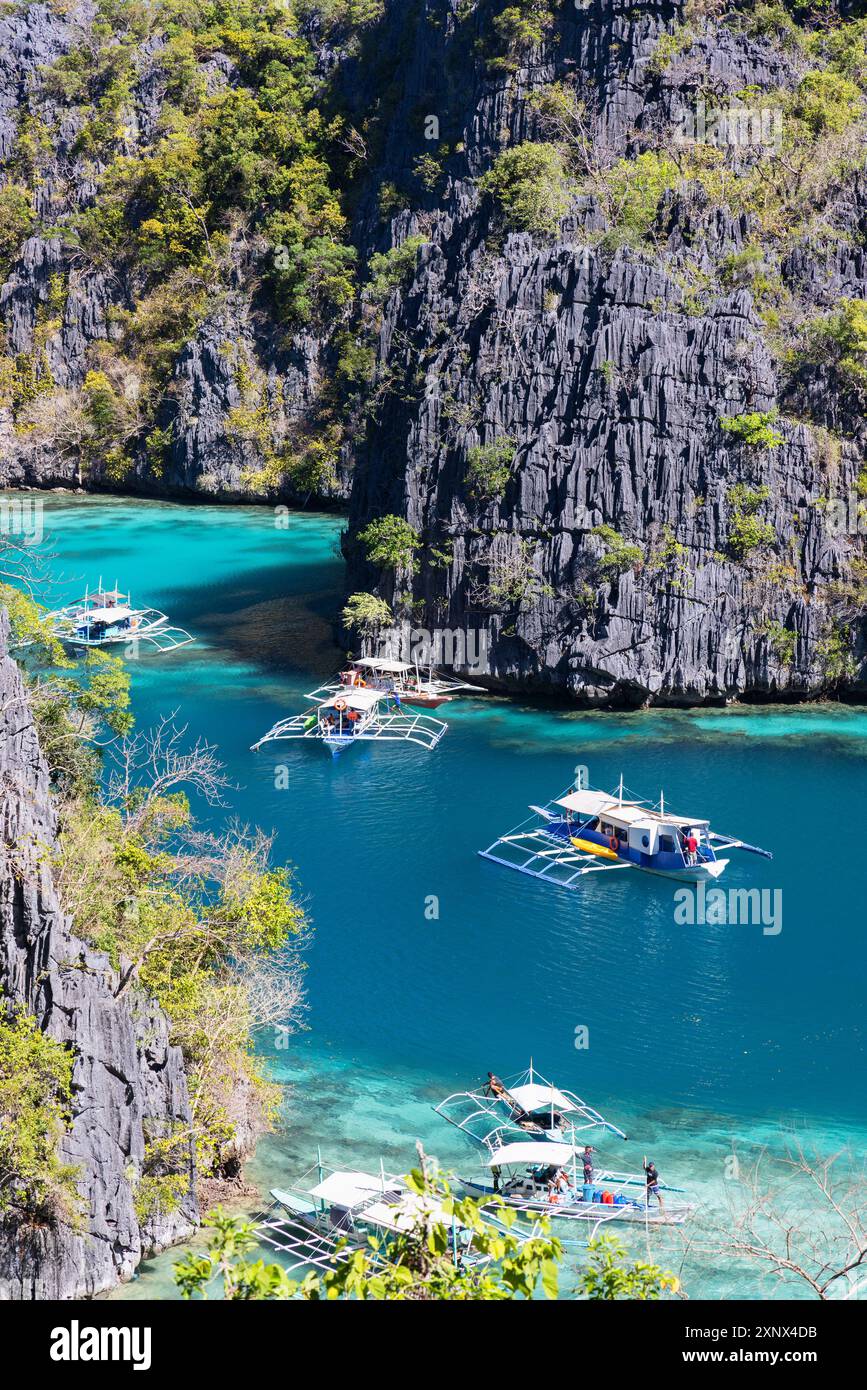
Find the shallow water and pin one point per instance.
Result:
(703, 1040)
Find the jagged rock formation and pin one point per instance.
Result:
(608, 365)
(53, 342)
(611, 381)
(128, 1081)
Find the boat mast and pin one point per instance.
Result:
(620, 794)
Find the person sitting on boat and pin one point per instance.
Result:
(494, 1087)
(589, 1151)
(651, 1175)
(558, 1186)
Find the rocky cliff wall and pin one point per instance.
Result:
(610, 375)
(63, 307)
(606, 365)
(128, 1081)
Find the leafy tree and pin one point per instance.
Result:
(390, 542)
(610, 1276)
(754, 429)
(35, 1101)
(747, 531)
(489, 468)
(517, 29)
(840, 340)
(390, 269)
(826, 102)
(16, 222)
(203, 923)
(631, 191)
(366, 613)
(531, 185)
(619, 554)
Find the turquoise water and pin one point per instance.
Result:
(703, 1040)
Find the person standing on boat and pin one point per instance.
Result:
(690, 846)
(588, 1162)
(652, 1177)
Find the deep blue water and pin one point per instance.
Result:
(702, 1038)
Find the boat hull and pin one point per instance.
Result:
(425, 701)
(690, 873)
(638, 1212)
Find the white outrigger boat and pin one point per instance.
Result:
(318, 1226)
(412, 684)
(356, 716)
(528, 1129)
(106, 617)
(586, 831)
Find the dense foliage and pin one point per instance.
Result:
(35, 1100)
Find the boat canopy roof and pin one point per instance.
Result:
(534, 1096)
(592, 803)
(399, 1209)
(114, 614)
(534, 1151)
(382, 663)
(357, 699)
(347, 1189)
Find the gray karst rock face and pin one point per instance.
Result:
(215, 450)
(609, 369)
(128, 1081)
(610, 376)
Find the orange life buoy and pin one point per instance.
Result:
(613, 843)
(340, 704)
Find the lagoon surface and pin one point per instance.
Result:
(704, 1041)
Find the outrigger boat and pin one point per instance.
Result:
(106, 617)
(586, 831)
(412, 684)
(319, 1226)
(528, 1129)
(356, 716)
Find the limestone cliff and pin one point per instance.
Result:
(637, 550)
(609, 370)
(128, 1081)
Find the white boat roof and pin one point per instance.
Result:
(356, 699)
(537, 1153)
(109, 615)
(382, 663)
(347, 1189)
(399, 1212)
(592, 803)
(534, 1096)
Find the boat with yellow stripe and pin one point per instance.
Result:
(588, 831)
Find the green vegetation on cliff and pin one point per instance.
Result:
(200, 923)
